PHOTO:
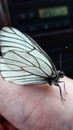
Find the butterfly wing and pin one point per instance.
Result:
(23, 61)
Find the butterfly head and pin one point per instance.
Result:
(60, 74)
(55, 78)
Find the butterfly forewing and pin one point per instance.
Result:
(23, 61)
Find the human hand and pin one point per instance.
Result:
(37, 107)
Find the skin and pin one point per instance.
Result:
(36, 107)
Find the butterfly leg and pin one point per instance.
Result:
(64, 86)
(62, 99)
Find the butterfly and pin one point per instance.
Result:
(24, 62)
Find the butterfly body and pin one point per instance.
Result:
(24, 62)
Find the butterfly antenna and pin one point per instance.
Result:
(63, 74)
(60, 61)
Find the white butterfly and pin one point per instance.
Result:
(24, 62)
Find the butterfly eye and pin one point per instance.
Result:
(61, 74)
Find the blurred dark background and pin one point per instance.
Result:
(49, 22)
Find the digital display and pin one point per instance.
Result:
(54, 11)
